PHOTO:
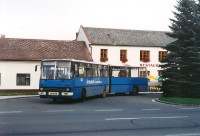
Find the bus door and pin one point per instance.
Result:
(117, 79)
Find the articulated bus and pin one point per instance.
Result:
(74, 79)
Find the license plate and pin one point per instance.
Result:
(42, 93)
(67, 93)
(53, 93)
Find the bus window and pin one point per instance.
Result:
(103, 71)
(63, 70)
(48, 70)
(82, 72)
(74, 70)
(94, 71)
(91, 70)
(115, 73)
(142, 72)
(134, 72)
(88, 72)
(123, 73)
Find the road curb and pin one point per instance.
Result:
(170, 103)
(16, 97)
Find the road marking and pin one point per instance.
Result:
(193, 134)
(3, 112)
(109, 110)
(59, 111)
(188, 108)
(171, 117)
(150, 109)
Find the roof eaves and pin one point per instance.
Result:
(96, 44)
(20, 59)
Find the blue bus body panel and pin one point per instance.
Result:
(125, 85)
(92, 86)
(55, 83)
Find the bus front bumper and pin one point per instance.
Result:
(52, 94)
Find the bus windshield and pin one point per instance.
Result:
(55, 70)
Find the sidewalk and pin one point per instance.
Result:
(17, 96)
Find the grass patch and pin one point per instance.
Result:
(176, 100)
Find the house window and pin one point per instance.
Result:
(23, 79)
(148, 73)
(123, 55)
(144, 56)
(104, 55)
(162, 55)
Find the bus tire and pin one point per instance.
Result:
(103, 95)
(83, 96)
(135, 90)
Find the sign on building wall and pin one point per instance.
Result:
(149, 65)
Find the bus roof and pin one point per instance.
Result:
(128, 66)
(73, 60)
(91, 62)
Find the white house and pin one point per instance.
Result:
(18, 58)
(127, 47)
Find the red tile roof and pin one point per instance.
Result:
(34, 49)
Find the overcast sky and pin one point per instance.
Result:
(61, 19)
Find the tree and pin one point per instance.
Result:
(181, 66)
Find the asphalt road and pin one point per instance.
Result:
(110, 116)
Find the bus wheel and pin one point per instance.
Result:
(135, 90)
(103, 95)
(83, 96)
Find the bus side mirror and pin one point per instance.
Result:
(36, 66)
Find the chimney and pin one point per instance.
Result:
(77, 35)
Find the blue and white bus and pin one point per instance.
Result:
(128, 79)
(73, 79)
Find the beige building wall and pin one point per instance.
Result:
(10, 69)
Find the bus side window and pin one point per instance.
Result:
(88, 72)
(94, 71)
(82, 72)
(123, 73)
(134, 72)
(75, 70)
(115, 73)
(102, 74)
